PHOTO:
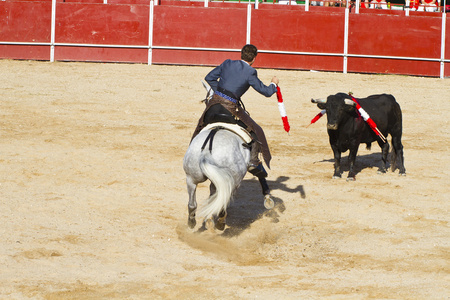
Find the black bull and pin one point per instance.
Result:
(347, 129)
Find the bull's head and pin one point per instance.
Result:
(337, 107)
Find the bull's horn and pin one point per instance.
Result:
(349, 102)
(318, 100)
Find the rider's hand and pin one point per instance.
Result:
(275, 80)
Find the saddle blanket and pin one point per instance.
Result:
(244, 134)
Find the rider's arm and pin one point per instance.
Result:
(213, 77)
(261, 87)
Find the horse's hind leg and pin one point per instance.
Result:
(221, 220)
(192, 206)
(212, 189)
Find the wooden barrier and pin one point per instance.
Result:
(80, 24)
(304, 33)
(219, 28)
(24, 22)
(187, 33)
(397, 36)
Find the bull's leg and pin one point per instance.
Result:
(337, 162)
(192, 206)
(384, 155)
(398, 149)
(352, 159)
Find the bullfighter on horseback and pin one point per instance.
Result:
(230, 81)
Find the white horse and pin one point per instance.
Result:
(222, 156)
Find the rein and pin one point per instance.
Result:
(210, 138)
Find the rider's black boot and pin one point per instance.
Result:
(255, 166)
(254, 155)
(258, 171)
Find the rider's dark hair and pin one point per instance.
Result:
(249, 52)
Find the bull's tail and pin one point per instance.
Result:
(224, 182)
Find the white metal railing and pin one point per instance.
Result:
(150, 33)
(52, 34)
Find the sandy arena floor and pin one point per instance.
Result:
(94, 202)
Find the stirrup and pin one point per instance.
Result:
(257, 170)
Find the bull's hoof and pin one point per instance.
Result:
(268, 202)
(381, 172)
(402, 174)
(336, 177)
(192, 222)
(351, 178)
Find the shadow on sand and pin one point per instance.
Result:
(248, 204)
(372, 160)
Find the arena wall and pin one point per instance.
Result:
(188, 33)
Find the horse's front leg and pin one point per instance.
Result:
(192, 206)
(268, 201)
(264, 186)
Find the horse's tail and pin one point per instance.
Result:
(224, 182)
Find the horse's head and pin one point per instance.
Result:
(209, 92)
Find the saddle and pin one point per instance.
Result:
(240, 131)
(219, 117)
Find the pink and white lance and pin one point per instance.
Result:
(318, 116)
(282, 110)
(368, 120)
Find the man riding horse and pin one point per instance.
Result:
(230, 81)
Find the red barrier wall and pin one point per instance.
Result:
(447, 48)
(413, 36)
(118, 25)
(303, 34)
(201, 28)
(288, 36)
(25, 22)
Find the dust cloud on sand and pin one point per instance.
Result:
(94, 201)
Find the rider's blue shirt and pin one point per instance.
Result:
(236, 76)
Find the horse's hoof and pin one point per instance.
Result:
(192, 223)
(402, 174)
(381, 172)
(351, 179)
(336, 177)
(220, 225)
(209, 224)
(268, 202)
